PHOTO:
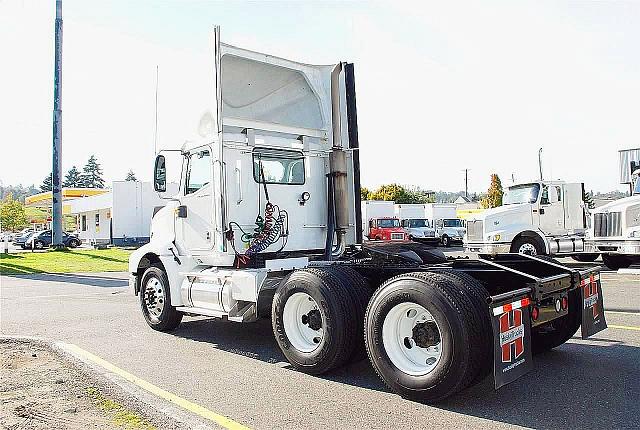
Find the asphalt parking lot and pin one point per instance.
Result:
(238, 371)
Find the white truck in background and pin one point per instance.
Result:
(536, 218)
(449, 229)
(266, 224)
(413, 218)
(615, 227)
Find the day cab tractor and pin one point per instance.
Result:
(266, 224)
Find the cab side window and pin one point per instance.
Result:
(544, 199)
(559, 191)
(198, 171)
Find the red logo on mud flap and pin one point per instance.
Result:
(590, 287)
(511, 334)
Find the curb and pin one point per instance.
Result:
(133, 397)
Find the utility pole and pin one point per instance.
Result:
(466, 183)
(57, 132)
(540, 162)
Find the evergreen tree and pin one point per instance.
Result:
(12, 214)
(92, 174)
(587, 197)
(73, 178)
(47, 184)
(130, 176)
(494, 194)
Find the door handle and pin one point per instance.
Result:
(239, 183)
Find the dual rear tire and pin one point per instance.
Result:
(425, 333)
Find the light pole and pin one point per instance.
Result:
(56, 199)
(540, 162)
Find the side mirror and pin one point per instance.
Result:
(160, 175)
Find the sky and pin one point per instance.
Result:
(441, 86)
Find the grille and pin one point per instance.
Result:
(607, 224)
(397, 236)
(474, 231)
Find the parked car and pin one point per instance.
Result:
(21, 237)
(43, 239)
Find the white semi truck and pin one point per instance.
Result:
(536, 218)
(615, 228)
(266, 225)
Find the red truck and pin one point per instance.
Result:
(386, 228)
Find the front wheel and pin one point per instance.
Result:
(424, 338)
(528, 246)
(155, 300)
(446, 241)
(38, 244)
(74, 243)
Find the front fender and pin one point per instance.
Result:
(509, 233)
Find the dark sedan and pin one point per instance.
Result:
(43, 239)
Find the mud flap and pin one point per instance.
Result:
(512, 356)
(593, 319)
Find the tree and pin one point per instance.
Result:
(47, 184)
(364, 193)
(398, 194)
(130, 176)
(12, 214)
(587, 197)
(92, 174)
(494, 194)
(73, 178)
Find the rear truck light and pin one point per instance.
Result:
(565, 303)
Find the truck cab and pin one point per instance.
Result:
(419, 229)
(536, 218)
(450, 230)
(615, 229)
(386, 229)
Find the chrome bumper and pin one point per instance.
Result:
(629, 246)
(488, 248)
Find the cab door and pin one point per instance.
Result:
(551, 210)
(194, 221)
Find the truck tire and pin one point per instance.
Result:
(360, 292)
(484, 332)
(528, 245)
(155, 300)
(419, 332)
(560, 330)
(446, 242)
(314, 320)
(615, 262)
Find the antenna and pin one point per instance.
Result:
(155, 131)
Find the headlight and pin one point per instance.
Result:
(496, 237)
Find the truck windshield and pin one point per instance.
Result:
(388, 223)
(452, 222)
(417, 223)
(521, 194)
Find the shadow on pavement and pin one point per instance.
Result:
(75, 278)
(574, 386)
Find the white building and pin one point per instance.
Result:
(121, 216)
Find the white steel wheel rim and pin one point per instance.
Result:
(527, 248)
(397, 338)
(154, 298)
(304, 335)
